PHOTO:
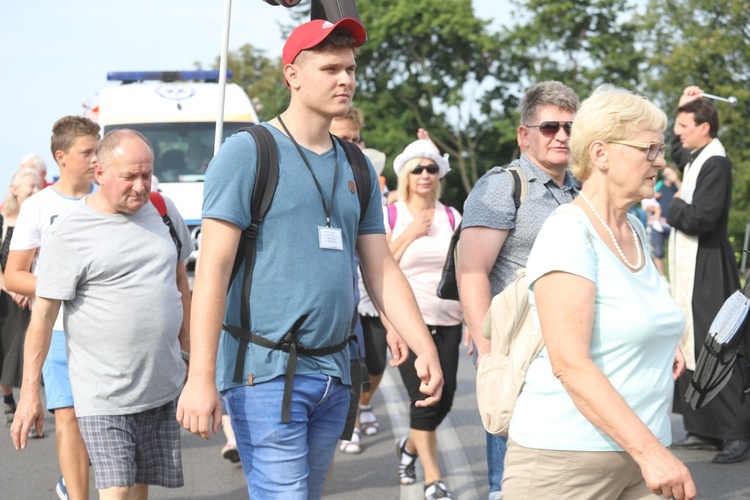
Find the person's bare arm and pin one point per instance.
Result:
(478, 251)
(36, 347)
(18, 275)
(183, 285)
(393, 295)
(199, 407)
(565, 304)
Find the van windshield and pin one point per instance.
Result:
(181, 150)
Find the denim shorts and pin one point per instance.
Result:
(140, 448)
(289, 460)
(55, 374)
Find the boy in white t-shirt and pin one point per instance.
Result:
(74, 145)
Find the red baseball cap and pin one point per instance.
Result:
(312, 33)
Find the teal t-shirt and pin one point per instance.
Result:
(637, 326)
(292, 276)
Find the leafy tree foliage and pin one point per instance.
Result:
(434, 65)
(706, 43)
(582, 43)
(260, 77)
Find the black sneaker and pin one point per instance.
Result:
(436, 490)
(406, 461)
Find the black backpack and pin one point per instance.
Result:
(266, 178)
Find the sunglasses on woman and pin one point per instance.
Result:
(550, 129)
(652, 148)
(431, 169)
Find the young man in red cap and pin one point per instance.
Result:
(301, 283)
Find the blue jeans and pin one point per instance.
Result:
(496, 447)
(288, 461)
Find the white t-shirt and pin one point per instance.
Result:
(37, 214)
(422, 263)
(636, 329)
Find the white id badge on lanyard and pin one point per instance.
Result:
(330, 238)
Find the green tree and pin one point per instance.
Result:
(260, 77)
(434, 65)
(582, 43)
(706, 43)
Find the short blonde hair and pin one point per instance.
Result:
(403, 180)
(609, 114)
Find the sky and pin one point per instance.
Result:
(54, 56)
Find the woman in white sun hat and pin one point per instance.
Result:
(419, 229)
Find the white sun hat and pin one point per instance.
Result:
(422, 148)
(377, 158)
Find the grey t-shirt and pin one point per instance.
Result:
(122, 314)
(490, 204)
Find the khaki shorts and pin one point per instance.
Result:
(575, 475)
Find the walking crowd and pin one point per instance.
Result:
(310, 271)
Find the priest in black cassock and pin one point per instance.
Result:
(703, 273)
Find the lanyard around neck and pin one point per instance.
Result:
(327, 207)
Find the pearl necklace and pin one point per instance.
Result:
(614, 240)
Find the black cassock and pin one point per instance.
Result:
(716, 278)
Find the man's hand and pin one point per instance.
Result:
(29, 412)
(199, 403)
(429, 372)
(398, 347)
(690, 94)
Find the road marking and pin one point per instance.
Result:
(456, 469)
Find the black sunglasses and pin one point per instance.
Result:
(431, 169)
(551, 129)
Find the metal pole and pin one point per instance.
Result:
(223, 75)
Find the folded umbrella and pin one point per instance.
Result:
(717, 358)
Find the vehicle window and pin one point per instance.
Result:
(182, 151)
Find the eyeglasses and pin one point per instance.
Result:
(653, 149)
(431, 169)
(550, 129)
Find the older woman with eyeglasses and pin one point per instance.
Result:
(419, 229)
(593, 418)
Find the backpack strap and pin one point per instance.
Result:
(392, 215)
(361, 171)
(266, 179)
(157, 200)
(451, 217)
(520, 185)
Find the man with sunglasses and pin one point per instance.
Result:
(496, 237)
(703, 273)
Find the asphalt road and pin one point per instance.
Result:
(32, 473)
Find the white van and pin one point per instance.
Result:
(177, 112)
